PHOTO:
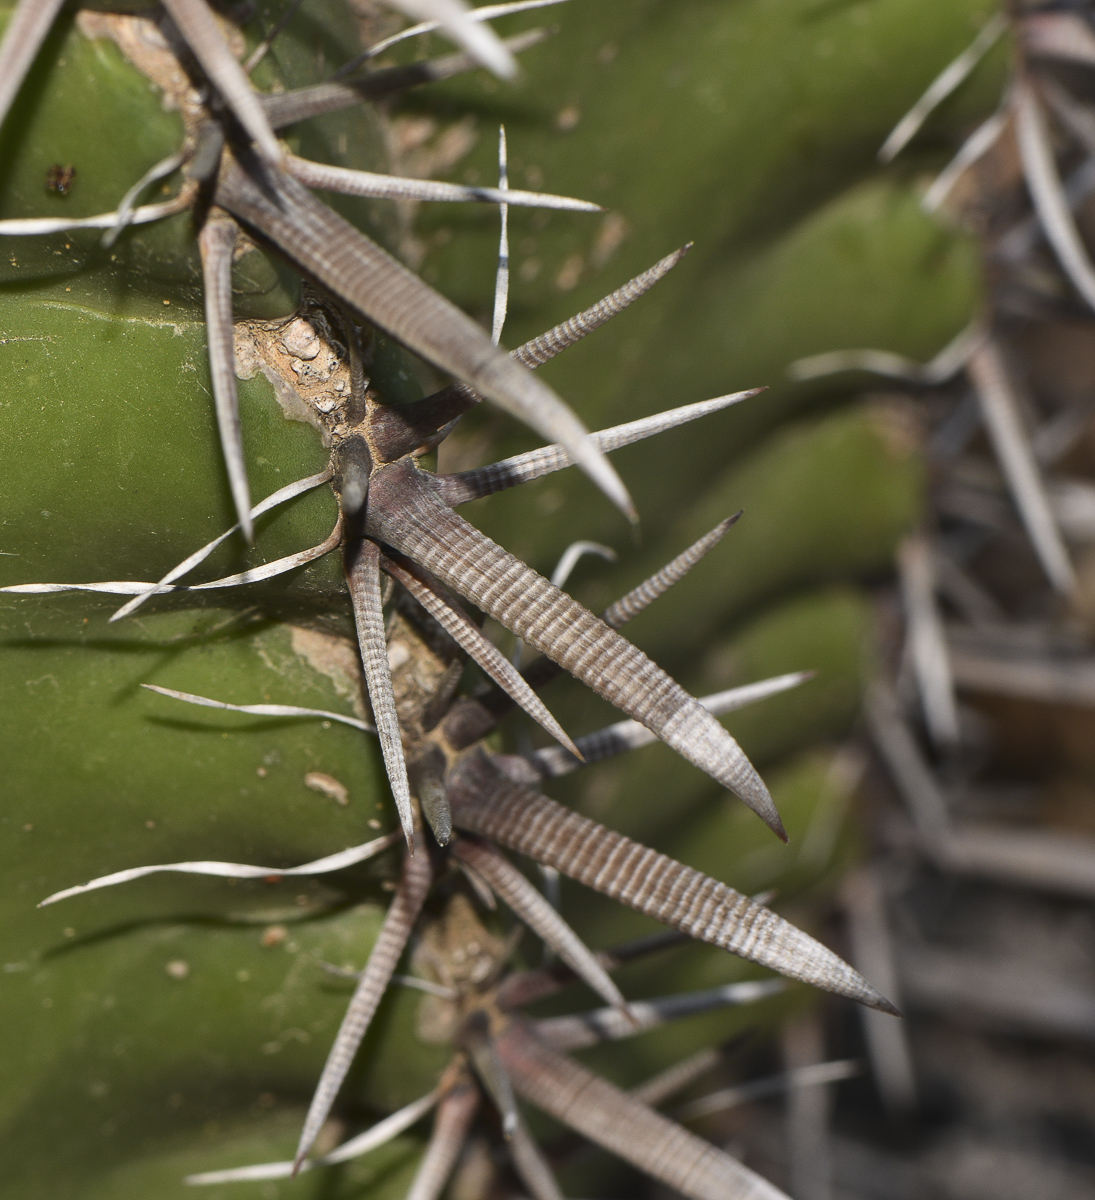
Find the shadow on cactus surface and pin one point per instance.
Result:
(177, 1026)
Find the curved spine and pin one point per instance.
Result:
(455, 19)
(392, 187)
(640, 598)
(485, 12)
(372, 1139)
(316, 101)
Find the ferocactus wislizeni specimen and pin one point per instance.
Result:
(457, 799)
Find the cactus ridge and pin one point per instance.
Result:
(396, 518)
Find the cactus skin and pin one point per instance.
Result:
(287, 824)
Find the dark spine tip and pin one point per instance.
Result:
(880, 1004)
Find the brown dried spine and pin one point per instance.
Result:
(398, 923)
(485, 803)
(574, 1095)
(405, 513)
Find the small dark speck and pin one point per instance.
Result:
(60, 178)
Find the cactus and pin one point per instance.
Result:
(185, 1024)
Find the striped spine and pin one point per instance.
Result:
(404, 512)
(455, 1114)
(623, 1125)
(523, 468)
(544, 348)
(485, 803)
(533, 909)
(386, 952)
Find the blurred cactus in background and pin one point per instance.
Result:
(178, 1025)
